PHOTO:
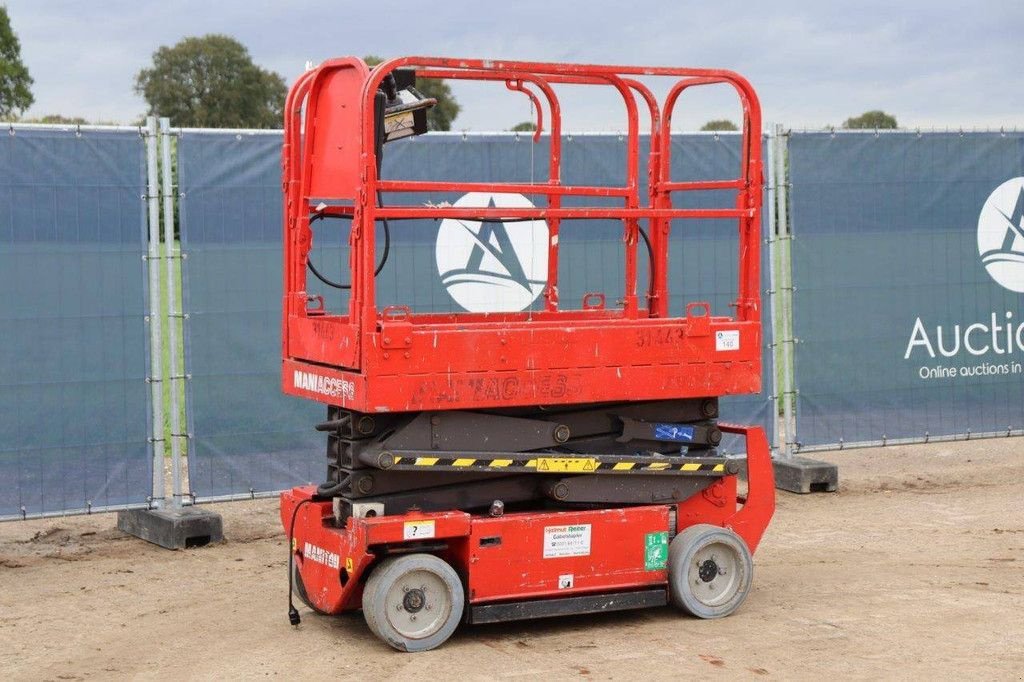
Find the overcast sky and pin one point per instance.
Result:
(933, 63)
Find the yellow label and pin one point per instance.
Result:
(691, 466)
(623, 466)
(426, 461)
(567, 464)
(500, 463)
(463, 462)
(349, 564)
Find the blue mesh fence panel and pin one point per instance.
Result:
(74, 422)
(247, 435)
(889, 263)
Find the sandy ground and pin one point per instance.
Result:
(915, 568)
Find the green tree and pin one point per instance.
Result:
(719, 124)
(57, 118)
(212, 82)
(524, 127)
(441, 115)
(872, 120)
(15, 95)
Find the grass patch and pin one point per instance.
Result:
(783, 275)
(172, 325)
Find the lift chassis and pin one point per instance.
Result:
(492, 466)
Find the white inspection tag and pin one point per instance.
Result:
(414, 530)
(562, 541)
(727, 340)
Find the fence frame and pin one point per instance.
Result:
(794, 442)
(153, 500)
(182, 485)
(770, 241)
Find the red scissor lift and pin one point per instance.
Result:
(492, 466)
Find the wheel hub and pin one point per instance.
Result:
(414, 600)
(708, 570)
(715, 574)
(418, 603)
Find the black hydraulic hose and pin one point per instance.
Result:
(387, 246)
(383, 259)
(327, 491)
(650, 261)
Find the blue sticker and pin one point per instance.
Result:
(675, 432)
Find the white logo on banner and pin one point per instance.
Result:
(492, 266)
(996, 336)
(1001, 235)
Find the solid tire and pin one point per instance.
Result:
(380, 588)
(693, 548)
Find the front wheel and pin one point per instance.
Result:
(709, 571)
(413, 602)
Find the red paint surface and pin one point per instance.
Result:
(516, 568)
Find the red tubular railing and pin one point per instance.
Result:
(516, 76)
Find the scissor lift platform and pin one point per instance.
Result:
(489, 466)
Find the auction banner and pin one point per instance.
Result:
(908, 269)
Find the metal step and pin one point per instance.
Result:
(565, 606)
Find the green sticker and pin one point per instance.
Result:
(656, 551)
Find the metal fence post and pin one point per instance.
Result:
(155, 312)
(785, 276)
(792, 473)
(175, 369)
(772, 241)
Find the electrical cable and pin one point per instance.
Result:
(383, 259)
(650, 261)
(293, 613)
(387, 245)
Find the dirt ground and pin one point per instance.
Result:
(914, 568)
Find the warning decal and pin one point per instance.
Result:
(567, 464)
(563, 541)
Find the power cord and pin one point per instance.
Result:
(293, 613)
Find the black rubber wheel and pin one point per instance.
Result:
(413, 602)
(299, 589)
(709, 571)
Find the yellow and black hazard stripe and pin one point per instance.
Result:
(564, 464)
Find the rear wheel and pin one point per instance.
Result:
(299, 589)
(709, 571)
(413, 602)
